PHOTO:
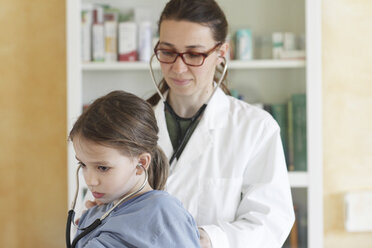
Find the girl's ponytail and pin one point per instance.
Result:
(158, 171)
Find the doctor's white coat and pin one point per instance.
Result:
(232, 175)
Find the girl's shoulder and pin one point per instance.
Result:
(159, 199)
(161, 203)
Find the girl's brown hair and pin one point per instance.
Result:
(204, 12)
(127, 123)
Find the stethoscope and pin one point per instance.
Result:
(176, 153)
(181, 141)
(97, 222)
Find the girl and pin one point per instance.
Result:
(115, 141)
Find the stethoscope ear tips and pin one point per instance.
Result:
(140, 166)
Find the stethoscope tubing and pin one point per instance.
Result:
(177, 152)
(214, 90)
(97, 222)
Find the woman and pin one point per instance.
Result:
(227, 161)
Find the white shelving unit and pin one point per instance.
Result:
(234, 64)
(298, 179)
(263, 80)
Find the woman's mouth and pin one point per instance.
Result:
(180, 81)
(97, 195)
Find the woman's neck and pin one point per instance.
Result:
(187, 106)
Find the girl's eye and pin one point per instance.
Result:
(103, 168)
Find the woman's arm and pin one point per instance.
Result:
(265, 213)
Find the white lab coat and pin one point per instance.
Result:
(232, 175)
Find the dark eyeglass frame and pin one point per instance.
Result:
(204, 55)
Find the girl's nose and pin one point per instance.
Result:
(91, 179)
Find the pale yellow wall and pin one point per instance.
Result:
(33, 119)
(347, 101)
(33, 196)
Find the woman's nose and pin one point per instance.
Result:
(179, 66)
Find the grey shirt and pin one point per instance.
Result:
(153, 219)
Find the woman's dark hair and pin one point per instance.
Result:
(127, 123)
(204, 12)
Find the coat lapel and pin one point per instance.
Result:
(164, 139)
(215, 116)
(196, 146)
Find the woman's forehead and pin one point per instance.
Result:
(185, 34)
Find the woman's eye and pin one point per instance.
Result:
(193, 55)
(103, 168)
(167, 53)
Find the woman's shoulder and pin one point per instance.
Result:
(243, 112)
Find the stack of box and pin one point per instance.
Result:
(110, 35)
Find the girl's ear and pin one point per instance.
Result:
(222, 52)
(144, 159)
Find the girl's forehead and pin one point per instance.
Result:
(183, 34)
(94, 153)
(88, 147)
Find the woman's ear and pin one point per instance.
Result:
(222, 52)
(144, 159)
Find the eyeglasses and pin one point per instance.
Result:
(168, 56)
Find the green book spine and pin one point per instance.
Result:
(299, 132)
(290, 135)
(279, 112)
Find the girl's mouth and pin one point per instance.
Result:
(97, 195)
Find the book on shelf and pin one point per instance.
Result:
(297, 237)
(86, 42)
(299, 132)
(98, 36)
(296, 133)
(293, 235)
(290, 163)
(279, 112)
(302, 226)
